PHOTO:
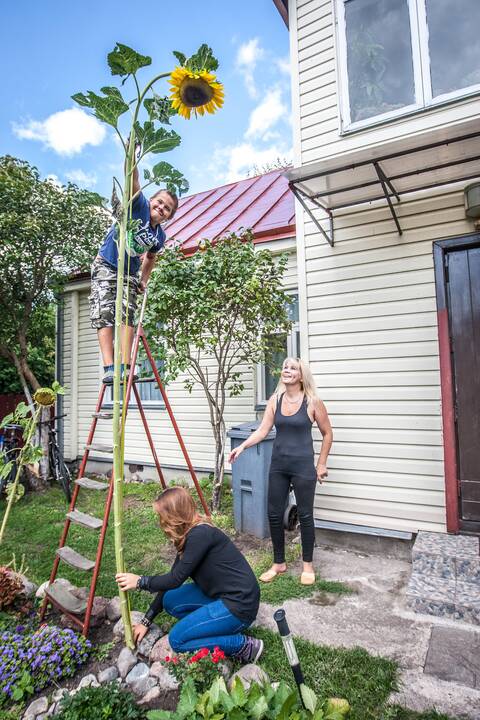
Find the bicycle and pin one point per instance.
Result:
(59, 471)
(10, 447)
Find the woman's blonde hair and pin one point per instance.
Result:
(177, 514)
(306, 380)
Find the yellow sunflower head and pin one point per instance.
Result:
(197, 91)
(45, 397)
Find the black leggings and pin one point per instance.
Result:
(300, 473)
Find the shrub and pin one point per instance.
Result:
(107, 702)
(31, 660)
(201, 666)
(253, 703)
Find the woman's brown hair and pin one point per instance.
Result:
(177, 514)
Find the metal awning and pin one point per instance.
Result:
(387, 171)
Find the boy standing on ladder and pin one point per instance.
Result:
(143, 247)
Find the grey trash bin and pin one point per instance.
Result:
(250, 483)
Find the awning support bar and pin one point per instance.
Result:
(384, 182)
(298, 194)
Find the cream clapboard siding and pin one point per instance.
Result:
(190, 410)
(373, 348)
(313, 43)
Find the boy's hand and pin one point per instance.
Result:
(127, 581)
(142, 286)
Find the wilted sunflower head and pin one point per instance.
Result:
(195, 90)
(45, 397)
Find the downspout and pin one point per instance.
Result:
(59, 325)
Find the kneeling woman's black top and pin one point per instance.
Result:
(217, 566)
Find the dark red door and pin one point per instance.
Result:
(463, 301)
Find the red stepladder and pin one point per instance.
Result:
(76, 608)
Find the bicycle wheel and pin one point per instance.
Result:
(63, 475)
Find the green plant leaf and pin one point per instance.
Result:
(7, 420)
(188, 699)
(107, 109)
(57, 388)
(203, 59)
(309, 698)
(156, 140)
(161, 715)
(259, 709)
(288, 704)
(125, 61)
(238, 694)
(182, 59)
(159, 108)
(164, 173)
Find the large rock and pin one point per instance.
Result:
(161, 650)
(145, 647)
(37, 707)
(58, 694)
(113, 609)
(40, 593)
(88, 681)
(164, 677)
(99, 611)
(150, 696)
(135, 617)
(249, 674)
(139, 680)
(107, 675)
(29, 587)
(126, 661)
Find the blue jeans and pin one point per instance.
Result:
(203, 622)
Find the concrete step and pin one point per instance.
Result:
(454, 557)
(73, 558)
(64, 599)
(80, 518)
(444, 597)
(90, 484)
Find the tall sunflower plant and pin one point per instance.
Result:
(139, 121)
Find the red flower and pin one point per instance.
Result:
(167, 658)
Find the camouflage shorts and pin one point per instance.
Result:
(103, 294)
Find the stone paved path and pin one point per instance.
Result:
(376, 617)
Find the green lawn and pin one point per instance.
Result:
(34, 529)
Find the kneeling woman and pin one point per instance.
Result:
(220, 603)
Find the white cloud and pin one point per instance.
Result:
(266, 114)
(234, 162)
(247, 57)
(66, 132)
(54, 180)
(79, 177)
(283, 65)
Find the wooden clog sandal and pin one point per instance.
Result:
(270, 575)
(307, 578)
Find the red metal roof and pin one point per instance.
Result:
(263, 203)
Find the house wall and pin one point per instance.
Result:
(190, 410)
(367, 309)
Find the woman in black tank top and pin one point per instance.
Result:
(293, 409)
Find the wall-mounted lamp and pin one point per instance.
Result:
(472, 201)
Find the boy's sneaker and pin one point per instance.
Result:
(108, 377)
(251, 651)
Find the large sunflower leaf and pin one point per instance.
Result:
(156, 140)
(108, 108)
(182, 59)
(125, 61)
(159, 108)
(203, 59)
(163, 172)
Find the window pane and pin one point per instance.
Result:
(379, 57)
(454, 44)
(148, 391)
(271, 369)
(292, 308)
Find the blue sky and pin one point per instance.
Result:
(56, 48)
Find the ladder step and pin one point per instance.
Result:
(98, 447)
(88, 521)
(103, 415)
(71, 557)
(90, 484)
(64, 599)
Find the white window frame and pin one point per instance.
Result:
(421, 71)
(291, 352)
(153, 404)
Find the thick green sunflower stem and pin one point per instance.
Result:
(13, 490)
(118, 425)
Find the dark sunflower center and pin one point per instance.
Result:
(195, 92)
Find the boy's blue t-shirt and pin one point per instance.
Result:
(146, 239)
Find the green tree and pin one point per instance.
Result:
(224, 304)
(46, 232)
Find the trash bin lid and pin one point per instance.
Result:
(244, 430)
